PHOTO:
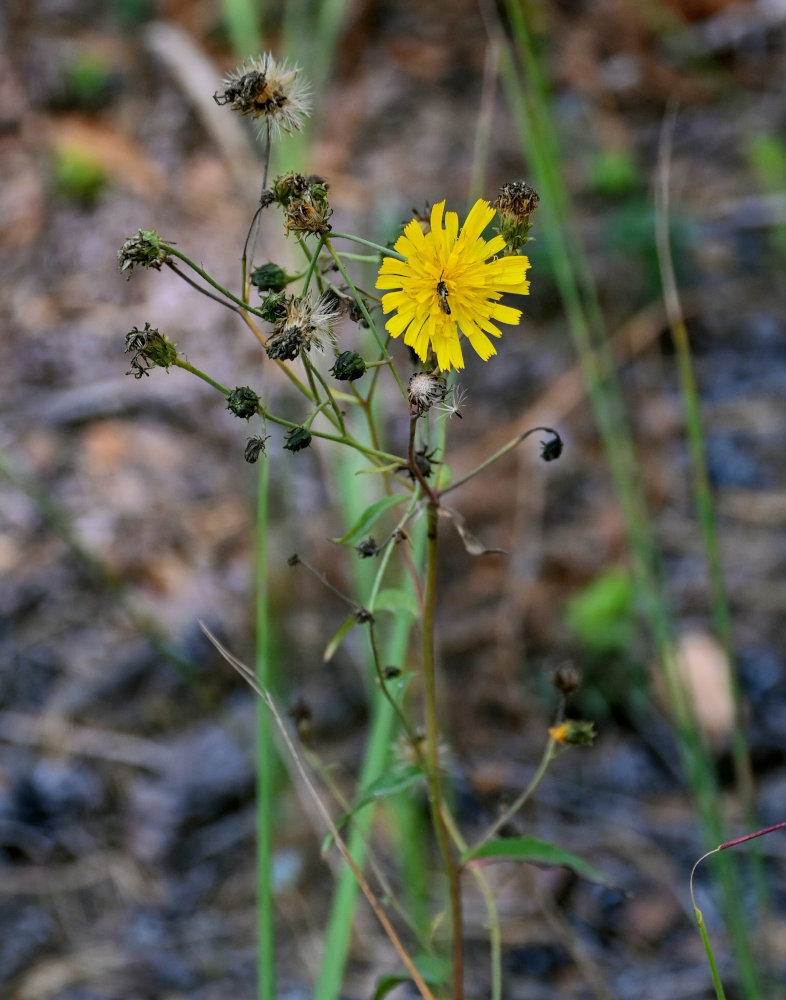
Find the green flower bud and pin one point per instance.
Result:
(274, 307)
(146, 249)
(348, 367)
(243, 402)
(515, 204)
(269, 278)
(298, 439)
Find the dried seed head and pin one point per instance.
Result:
(271, 92)
(304, 326)
(150, 349)
(305, 202)
(306, 216)
(243, 402)
(425, 389)
(146, 249)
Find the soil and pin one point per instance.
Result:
(127, 817)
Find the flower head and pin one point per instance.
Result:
(268, 90)
(450, 283)
(303, 326)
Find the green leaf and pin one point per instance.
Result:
(396, 599)
(368, 518)
(435, 972)
(534, 851)
(337, 638)
(395, 781)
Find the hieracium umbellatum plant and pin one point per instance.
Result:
(444, 287)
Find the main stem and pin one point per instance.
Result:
(432, 752)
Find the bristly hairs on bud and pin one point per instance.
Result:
(151, 349)
(269, 91)
(146, 249)
(515, 204)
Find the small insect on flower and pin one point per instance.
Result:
(442, 291)
(445, 261)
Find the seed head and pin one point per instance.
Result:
(151, 349)
(146, 249)
(304, 326)
(425, 389)
(271, 92)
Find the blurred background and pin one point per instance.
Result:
(127, 511)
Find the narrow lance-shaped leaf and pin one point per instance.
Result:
(368, 518)
(534, 851)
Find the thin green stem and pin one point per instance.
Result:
(368, 243)
(506, 816)
(432, 753)
(188, 367)
(315, 372)
(265, 754)
(174, 252)
(494, 928)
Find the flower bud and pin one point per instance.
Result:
(297, 439)
(348, 366)
(573, 732)
(515, 204)
(550, 450)
(146, 249)
(243, 402)
(269, 278)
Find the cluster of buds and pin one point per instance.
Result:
(515, 204)
(146, 249)
(150, 349)
(305, 202)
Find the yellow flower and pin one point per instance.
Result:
(447, 285)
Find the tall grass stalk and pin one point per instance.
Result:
(527, 93)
